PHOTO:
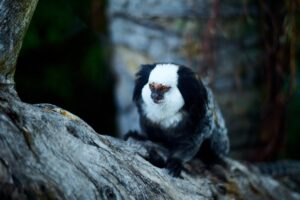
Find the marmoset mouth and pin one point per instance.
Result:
(158, 101)
(157, 98)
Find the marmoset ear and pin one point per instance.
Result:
(142, 77)
(192, 90)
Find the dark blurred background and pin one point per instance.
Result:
(73, 49)
(64, 61)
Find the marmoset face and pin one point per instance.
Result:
(162, 86)
(158, 91)
(161, 96)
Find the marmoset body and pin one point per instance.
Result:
(179, 112)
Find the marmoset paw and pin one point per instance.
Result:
(174, 167)
(135, 135)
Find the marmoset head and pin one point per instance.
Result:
(162, 100)
(162, 85)
(168, 91)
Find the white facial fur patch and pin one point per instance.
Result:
(167, 113)
(165, 74)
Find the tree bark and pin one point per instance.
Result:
(48, 153)
(14, 19)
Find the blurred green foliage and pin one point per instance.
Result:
(63, 61)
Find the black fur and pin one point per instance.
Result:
(194, 95)
(141, 79)
(135, 135)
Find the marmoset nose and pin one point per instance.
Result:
(156, 97)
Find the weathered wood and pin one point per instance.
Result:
(14, 19)
(46, 152)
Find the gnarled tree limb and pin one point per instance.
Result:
(14, 19)
(48, 152)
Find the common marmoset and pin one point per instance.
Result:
(177, 111)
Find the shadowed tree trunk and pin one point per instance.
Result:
(48, 153)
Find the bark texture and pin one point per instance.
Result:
(48, 153)
(14, 20)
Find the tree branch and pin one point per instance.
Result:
(49, 152)
(15, 17)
